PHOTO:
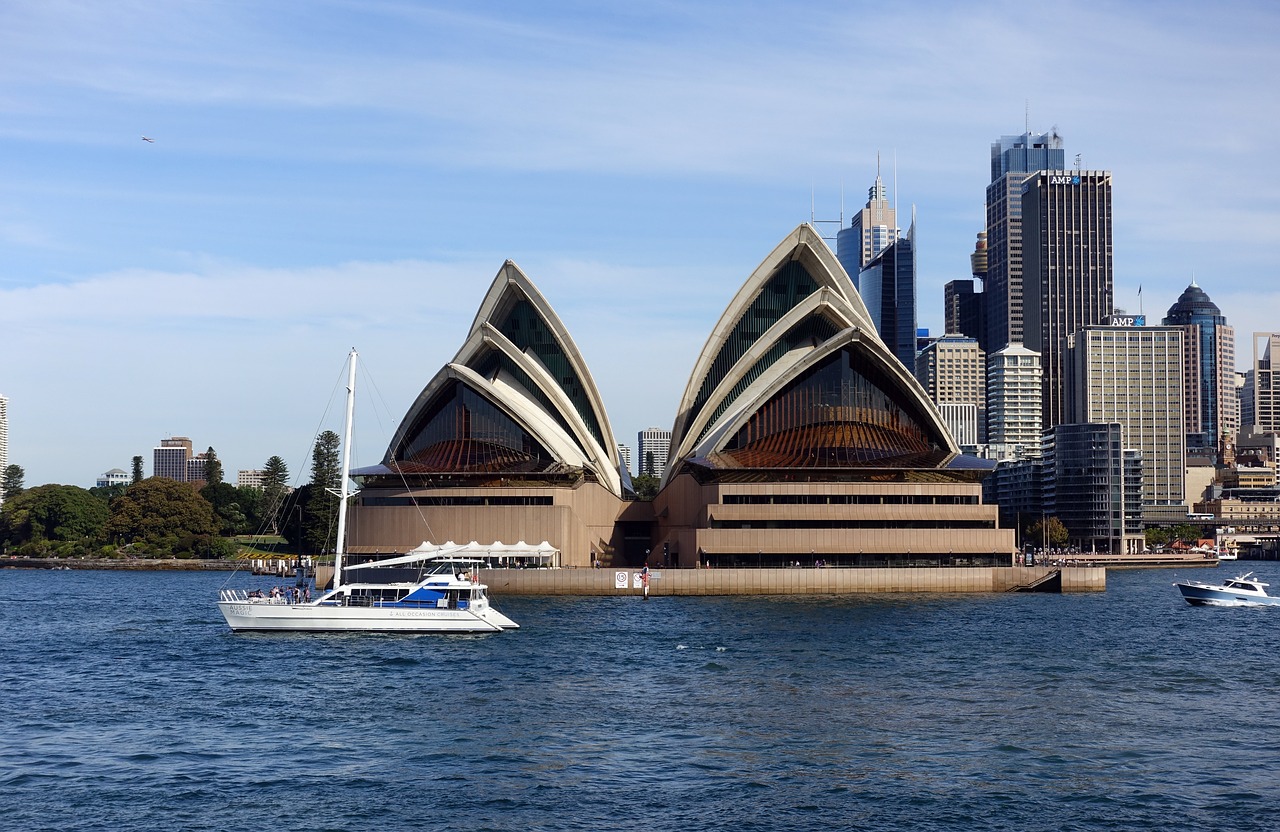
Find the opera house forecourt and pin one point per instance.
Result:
(799, 440)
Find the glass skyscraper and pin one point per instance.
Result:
(872, 230)
(1067, 277)
(888, 287)
(1208, 369)
(1013, 159)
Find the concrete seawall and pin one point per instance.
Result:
(614, 581)
(788, 581)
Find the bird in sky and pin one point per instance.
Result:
(147, 139)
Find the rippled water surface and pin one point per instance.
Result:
(128, 704)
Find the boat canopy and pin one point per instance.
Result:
(542, 553)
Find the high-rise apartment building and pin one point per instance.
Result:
(1093, 484)
(624, 454)
(888, 287)
(1066, 270)
(1013, 403)
(1260, 383)
(871, 231)
(653, 445)
(1133, 376)
(1013, 159)
(1209, 343)
(953, 372)
(169, 459)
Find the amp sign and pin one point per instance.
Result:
(1127, 320)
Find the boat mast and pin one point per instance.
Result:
(343, 494)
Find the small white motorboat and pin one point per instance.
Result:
(1241, 591)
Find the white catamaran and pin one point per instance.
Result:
(446, 596)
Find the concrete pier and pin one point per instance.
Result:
(799, 581)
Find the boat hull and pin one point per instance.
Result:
(1212, 596)
(243, 616)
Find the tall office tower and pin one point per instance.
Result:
(1066, 270)
(170, 458)
(1013, 159)
(871, 231)
(962, 310)
(1244, 395)
(1013, 403)
(952, 371)
(1264, 394)
(1212, 410)
(4, 439)
(652, 448)
(888, 287)
(624, 454)
(1133, 376)
(1094, 487)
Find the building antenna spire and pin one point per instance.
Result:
(1026, 114)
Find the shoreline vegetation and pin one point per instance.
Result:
(136, 564)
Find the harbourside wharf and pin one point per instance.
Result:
(795, 581)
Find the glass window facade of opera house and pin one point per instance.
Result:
(799, 438)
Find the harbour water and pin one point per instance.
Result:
(128, 704)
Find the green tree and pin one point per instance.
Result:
(249, 501)
(320, 510)
(11, 481)
(163, 516)
(107, 493)
(645, 486)
(225, 500)
(137, 469)
(275, 487)
(212, 467)
(37, 519)
(1048, 531)
(1188, 533)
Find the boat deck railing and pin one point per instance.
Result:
(243, 596)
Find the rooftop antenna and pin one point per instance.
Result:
(1077, 163)
(1026, 114)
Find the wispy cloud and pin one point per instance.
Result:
(329, 173)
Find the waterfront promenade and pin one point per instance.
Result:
(794, 581)
(695, 582)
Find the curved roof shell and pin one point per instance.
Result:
(517, 397)
(794, 375)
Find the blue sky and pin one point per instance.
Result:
(336, 174)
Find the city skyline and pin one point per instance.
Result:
(356, 176)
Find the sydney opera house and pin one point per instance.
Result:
(800, 438)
